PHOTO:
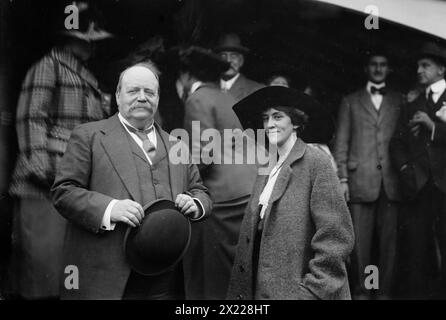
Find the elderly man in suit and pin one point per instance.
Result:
(209, 262)
(111, 169)
(366, 122)
(418, 151)
(230, 48)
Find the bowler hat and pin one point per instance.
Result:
(161, 240)
(201, 62)
(230, 42)
(320, 126)
(432, 49)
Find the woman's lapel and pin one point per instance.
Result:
(285, 173)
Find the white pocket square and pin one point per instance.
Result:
(441, 114)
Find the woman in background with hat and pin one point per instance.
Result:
(58, 93)
(297, 232)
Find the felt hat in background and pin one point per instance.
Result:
(230, 42)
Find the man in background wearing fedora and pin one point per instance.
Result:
(208, 263)
(111, 169)
(366, 122)
(418, 151)
(230, 48)
(58, 93)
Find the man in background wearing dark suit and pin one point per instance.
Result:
(209, 261)
(366, 122)
(418, 151)
(230, 49)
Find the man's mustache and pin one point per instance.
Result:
(138, 106)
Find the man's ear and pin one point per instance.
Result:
(390, 69)
(117, 96)
(242, 60)
(442, 70)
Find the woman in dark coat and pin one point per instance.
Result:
(297, 232)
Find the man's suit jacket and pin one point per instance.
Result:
(425, 157)
(97, 167)
(213, 109)
(361, 147)
(243, 87)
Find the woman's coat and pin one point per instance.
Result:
(307, 234)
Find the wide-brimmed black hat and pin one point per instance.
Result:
(90, 24)
(432, 49)
(230, 42)
(161, 240)
(320, 126)
(198, 61)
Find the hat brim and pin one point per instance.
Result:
(435, 55)
(89, 37)
(239, 49)
(320, 126)
(181, 229)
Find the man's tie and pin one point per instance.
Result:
(430, 104)
(375, 90)
(148, 146)
(430, 97)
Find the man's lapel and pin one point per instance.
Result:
(116, 145)
(386, 105)
(136, 149)
(367, 104)
(441, 102)
(175, 170)
(161, 151)
(238, 87)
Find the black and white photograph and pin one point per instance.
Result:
(218, 152)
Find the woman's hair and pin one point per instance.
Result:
(298, 117)
(277, 75)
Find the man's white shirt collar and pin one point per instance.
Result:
(227, 85)
(370, 84)
(194, 87)
(437, 89)
(151, 135)
(377, 99)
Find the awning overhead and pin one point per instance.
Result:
(425, 15)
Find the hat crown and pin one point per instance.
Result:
(202, 63)
(230, 42)
(434, 49)
(89, 24)
(230, 39)
(160, 241)
(163, 223)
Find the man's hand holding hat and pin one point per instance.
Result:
(187, 205)
(127, 211)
